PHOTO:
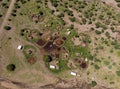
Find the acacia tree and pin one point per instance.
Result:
(7, 28)
(11, 67)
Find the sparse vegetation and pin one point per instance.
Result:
(93, 83)
(11, 67)
(71, 35)
(7, 28)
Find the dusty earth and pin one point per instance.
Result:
(60, 84)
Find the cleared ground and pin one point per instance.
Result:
(94, 28)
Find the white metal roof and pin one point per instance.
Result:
(19, 47)
(52, 67)
(73, 73)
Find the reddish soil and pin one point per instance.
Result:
(49, 47)
(41, 42)
(31, 60)
(84, 65)
(78, 60)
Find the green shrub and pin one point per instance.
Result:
(1, 15)
(101, 17)
(93, 83)
(69, 12)
(98, 24)
(97, 32)
(61, 15)
(117, 0)
(118, 5)
(106, 62)
(72, 19)
(47, 58)
(92, 29)
(118, 73)
(11, 67)
(84, 20)
(96, 67)
(7, 28)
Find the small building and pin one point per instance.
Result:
(73, 73)
(69, 32)
(52, 67)
(19, 47)
(86, 59)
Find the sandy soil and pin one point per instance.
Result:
(7, 16)
(72, 84)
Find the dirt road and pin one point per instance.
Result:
(7, 16)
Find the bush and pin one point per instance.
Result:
(7, 28)
(1, 15)
(84, 20)
(118, 73)
(96, 67)
(101, 17)
(11, 67)
(97, 32)
(117, 0)
(69, 12)
(106, 62)
(41, 13)
(107, 34)
(47, 58)
(92, 29)
(93, 83)
(98, 24)
(61, 15)
(72, 19)
(118, 5)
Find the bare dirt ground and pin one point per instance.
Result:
(61, 84)
(7, 16)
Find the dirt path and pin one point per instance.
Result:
(7, 16)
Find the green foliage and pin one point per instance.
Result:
(84, 20)
(116, 44)
(96, 67)
(97, 32)
(69, 12)
(107, 34)
(118, 5)
(23, 1)
(92, 29)
(98, 24)
(63, 64)
(1, 15)
(118, 53)
(47, 58)
(28, 55)
(72, 19)
(118, 73)
(93, 83)
(106, 62)
(117, 0)
(11, 67)
(101, 17)
(61, 15)
(7, 28)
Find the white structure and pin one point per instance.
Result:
(68, 33)
(19, 47)
(73, 73)
(52, 67)
(86, 59)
